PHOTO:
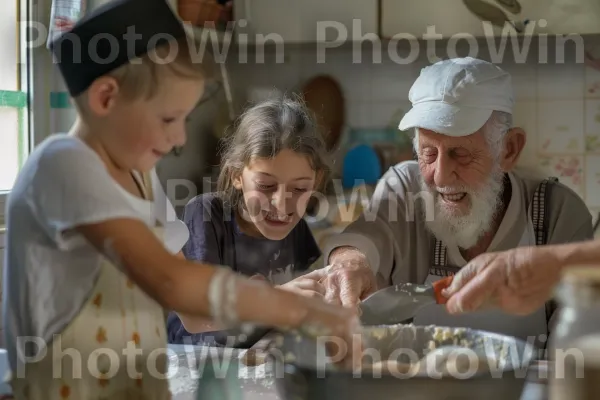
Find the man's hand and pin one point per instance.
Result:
(518, 281)
(349, 279)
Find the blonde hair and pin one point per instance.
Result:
(143, 77)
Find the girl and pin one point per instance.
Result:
(88, 269)
(271, 166)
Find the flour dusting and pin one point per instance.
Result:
(183, 382)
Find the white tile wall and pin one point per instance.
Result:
(560, 128)
(557, 103)
(569, 86)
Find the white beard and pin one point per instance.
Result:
(465, 231)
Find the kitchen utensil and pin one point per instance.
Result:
(304, 371)
(323, 95)
(487, 12)
(400, 303)
(513, 6)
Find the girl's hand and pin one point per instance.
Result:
(303, 285)
(307, 285)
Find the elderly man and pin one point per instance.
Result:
(427, 219)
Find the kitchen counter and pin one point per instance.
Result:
(212, 373)
(250, 383)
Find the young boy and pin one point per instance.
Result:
(88, 269)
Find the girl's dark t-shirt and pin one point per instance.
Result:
(215, 238)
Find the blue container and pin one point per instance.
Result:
(361, 166)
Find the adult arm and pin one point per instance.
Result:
(518, 281)
(363, 257)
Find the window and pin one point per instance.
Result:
(14, 115)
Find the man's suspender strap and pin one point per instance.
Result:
(440, 268)
(539, 217)
(541, 199)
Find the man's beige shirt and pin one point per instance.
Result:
(392, 233)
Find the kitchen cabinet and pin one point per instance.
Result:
(297, 21)
(264, 17)
(362, 15)
(452, 17)
(448, 17)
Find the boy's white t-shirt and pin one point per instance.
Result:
(49, 274)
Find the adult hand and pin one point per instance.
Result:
(518, 281)
(337, 327)
(307, 285)
(349, 279)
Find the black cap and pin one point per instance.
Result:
(110, 36)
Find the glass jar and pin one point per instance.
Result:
(574, 350)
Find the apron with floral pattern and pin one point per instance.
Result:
(115, 348)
